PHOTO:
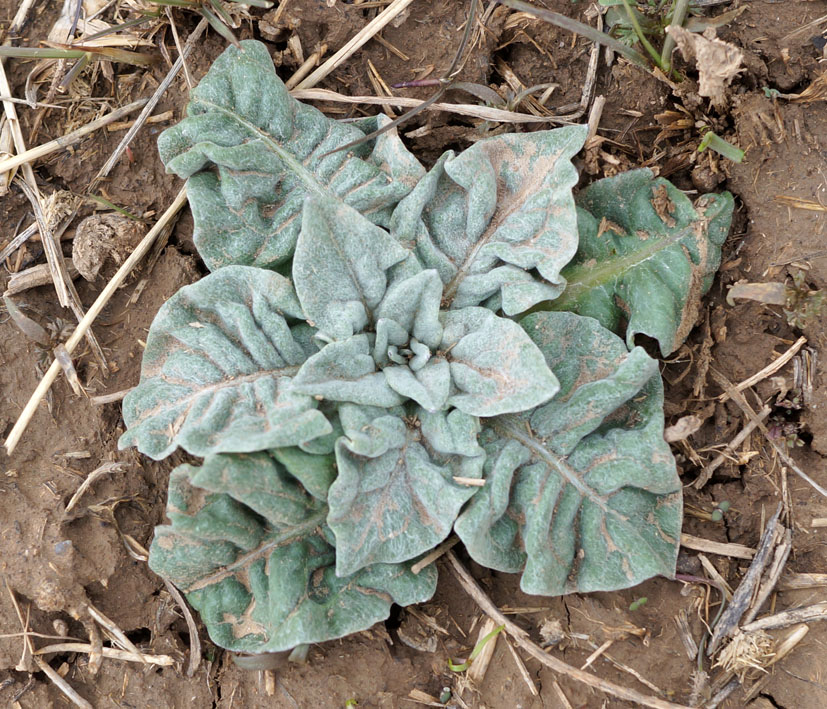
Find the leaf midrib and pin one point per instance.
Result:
(513, 428)
(498, 219)
(298, 531)
(583, 278)
(212, 389)
(305, 175)
(505, 426)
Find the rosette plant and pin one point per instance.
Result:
(360, 375)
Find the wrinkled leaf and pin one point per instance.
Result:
(646, 256)
(248, 547)
(395, 497)
(582, 493)
(314, 471)
(490, 217)
(345, 371)
(340, 267)
(216, 370)
(251, 154)
(495, 367)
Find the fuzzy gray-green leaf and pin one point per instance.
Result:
(646, 256)
(216, 370)
(345, 371)
(251, 154)
(249, 548)
(582, 493)
(495, 367)
(395, 497)
(340, 267)
(489, 218)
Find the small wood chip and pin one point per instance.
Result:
(737, 551)
(805, 614)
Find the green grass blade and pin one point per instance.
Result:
(571, 25)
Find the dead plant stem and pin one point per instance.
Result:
(88, 319)
(520, 636)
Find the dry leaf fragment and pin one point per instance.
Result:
(682, 428)
(816, 91)
(769, 293)
(718, 62)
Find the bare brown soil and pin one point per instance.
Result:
(57, 562)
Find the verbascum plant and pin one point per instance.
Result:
(383, 355)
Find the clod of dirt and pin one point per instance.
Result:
(104, 238)
(718, 62)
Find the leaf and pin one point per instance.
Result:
(646, 255)
(314, 472)
(249, 548)
(345, 371)
(251, 154)
(340, 267)
(216, 369)
(486, 219)
(582, 493)
(395, 497)
(495, 367)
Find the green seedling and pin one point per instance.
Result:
(639, 603)
(361, 351)
(720, 509)
(476, 651)
(722, 147)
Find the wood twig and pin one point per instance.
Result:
(736, 551)
(34, 277)
(195, 640)
(782, 649)
(148, 108)
(520, 637)
(84, 325)
(67, 295)
(797, 582)
(729, 448)
(769, 370)
(768, 583)
(564, 700)
(741, 402)
(66, 141)
(521, 668)
(94, 475)
(805, 614)
(377, 24)
(115, 396)
(431, 557)
(731, 617)
(117, 635)
(110, 652)
(62, 684)
(485, 113)
(629, 670)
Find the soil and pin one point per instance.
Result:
(56, 562)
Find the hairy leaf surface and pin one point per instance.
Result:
(390, 342)
(497, 221)
(340, 267)
(644, 244)
(248, 546)
(582, 493)
(216, 370)
(495, 367)
(395, 497)
(251, 154)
